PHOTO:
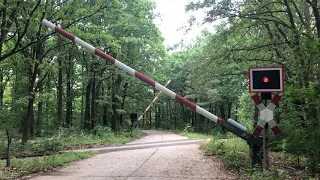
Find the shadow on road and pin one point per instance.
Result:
(147, 145)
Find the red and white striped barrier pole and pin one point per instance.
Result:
(133, 72)
(152, 102)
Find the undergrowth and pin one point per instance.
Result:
(68, 139)
(234, 154)
(20, 167)
(46, 149)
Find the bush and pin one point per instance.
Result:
(235, 160)
(233, 153)
(102, 131)
(135, 133)
(300, 123)
(214, 148)
(188, 128)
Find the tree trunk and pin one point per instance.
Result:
(104, 108)
(124, 95)
(40, 50)
(83, 94)
(27, 121)
(82, 107)
(105, 115)
(1, 89)
(32, 129)
(98, 112)
(229, 110)
(312, 51)
(87, 107)
(114, 108)
(59, 88)
(3, 32)
(314, 5)
(39, 117)
(93, 108)
(183, 115)
(114, 99)
(158, 118)
(69, 93)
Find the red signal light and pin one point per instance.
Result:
(265, 79)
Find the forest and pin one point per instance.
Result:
(50, 85)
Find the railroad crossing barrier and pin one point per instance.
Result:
(251, 140)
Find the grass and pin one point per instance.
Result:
(196, 135)
(234, 154)
(85, 139)
(66, 140)
(20, 167)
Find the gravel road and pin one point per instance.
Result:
(159, 155)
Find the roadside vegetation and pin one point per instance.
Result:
(67, 140)
(234, 154)
(45, 153)
(25, 166)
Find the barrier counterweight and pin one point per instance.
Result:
(133, 72)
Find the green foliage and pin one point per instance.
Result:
(102, 132)
(245, 111)
(36, 146)
(196, 135)
(135, 133)
(233, 152)
(30, 64)
(187, 128)
(20, 167)
(299, 120)
(100, 136)
(260, 33)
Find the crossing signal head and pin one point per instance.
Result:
(266, 79)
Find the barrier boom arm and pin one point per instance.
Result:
(152, 102)
(133, 72)
(142, 77)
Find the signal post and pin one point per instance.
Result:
(266, 82)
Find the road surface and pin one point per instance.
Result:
(159, 155)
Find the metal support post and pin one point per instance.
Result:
(255, 154)
(266, 148)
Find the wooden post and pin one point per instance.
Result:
(265, 146)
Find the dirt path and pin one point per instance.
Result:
(159, 155)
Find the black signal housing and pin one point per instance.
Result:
(266, 79)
